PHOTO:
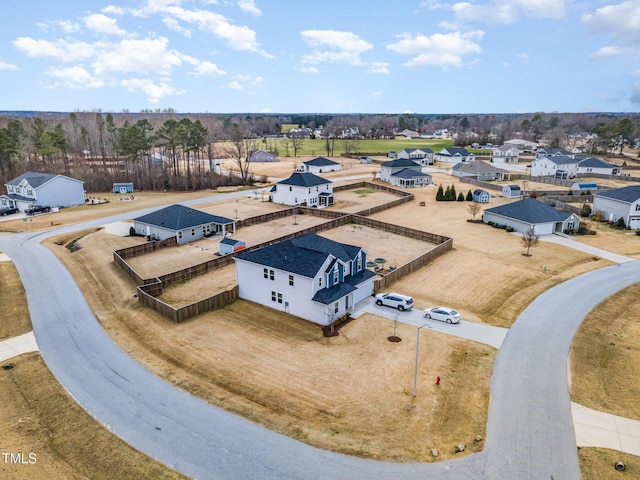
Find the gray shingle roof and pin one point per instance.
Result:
(477, 166)
(35, 179)
(595, 162)
(304, 180)
(320, 162)
(400, 162)
(628, 194)
(303, 255)
(179, 217)
(330, 295)
(409, 173)
(455, 151)
(564, 160)
(230, 241)
(531, 211)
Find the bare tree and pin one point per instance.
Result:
(297, 142)
(239, 150)
(529, 240)
(474, 209)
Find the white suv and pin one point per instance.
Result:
(395, 300)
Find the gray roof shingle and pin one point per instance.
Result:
(35, 179)
(400, 162)
(301, 179)
(320, 162)
(179, 217)
(531, 211)
(628, 194)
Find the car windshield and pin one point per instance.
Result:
(453, 312)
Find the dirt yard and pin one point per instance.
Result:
(352, 201)
(15, 318)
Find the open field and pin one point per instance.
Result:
(39, 417)
(352, 201)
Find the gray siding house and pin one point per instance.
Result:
(184, 223)
(531, 213)
(620, 203)
(403, 172)
(47, 189)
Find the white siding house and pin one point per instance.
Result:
(184, 223)
(454, 155)
(558, 166)
(598, 166)
(319, 165)
(531, 213)
(620, 203)
(262, 155)
(505, 154)
(309, 276)
(46, 189)
(403, 172)
(303, 189)
(422, 156)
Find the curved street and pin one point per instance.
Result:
(530, 432)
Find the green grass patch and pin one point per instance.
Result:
(312, 146)
(363, 192)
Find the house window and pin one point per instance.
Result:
(320, 281)
(290, 189)
(335, 275)
(637, 207)
(273, 296)
(279, 298)
(336, 307)
(291, 280)
(265, 272)
(29, 191)
(272, 275)
(179, 235)
(359, 263)
(193, 231)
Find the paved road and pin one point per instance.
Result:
(530, 433)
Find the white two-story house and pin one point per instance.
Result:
(558, 166)
(455, 155)
(308, 276)
(505, 154)
(303, 188)
(46, 189)
(403, 172)
(422, 156)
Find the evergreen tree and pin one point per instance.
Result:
(453, 193)
(447, 194)
(460, 197)
(469, 196)
(440, 194)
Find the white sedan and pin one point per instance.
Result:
(444, 314)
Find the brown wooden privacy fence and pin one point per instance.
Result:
(481, 184)
(412, 265)
(180, 314)
(560, 202)
(147, 247)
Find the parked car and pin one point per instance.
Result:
(395, 300)
(8, 210)
(444, 314)
(33, 209)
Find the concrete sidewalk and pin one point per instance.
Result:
(576, 245)
(15, 346)
(599, 429)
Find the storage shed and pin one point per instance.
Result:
(481, 196)
(122, 187)
(584, 186)
(230, 245)
(511, 191)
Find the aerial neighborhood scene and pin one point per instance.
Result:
(252, 241)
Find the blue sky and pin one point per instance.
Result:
(223, 56)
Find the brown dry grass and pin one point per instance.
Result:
(598, 464)
(605, 356)
(39, 417)
(14, 314)
(348, 393)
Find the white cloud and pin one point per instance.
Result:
(75, 77)
(334, 47)
(235, 85)
(377, 94)
(7, 66)
(153, 91)
(207, 69)
(149, 55)
(524, 57)
(609, 51)
(100, 23)
(446, 50)
(175, 26)
(309, 69)
(237, 37)
(249, 6)
(509, 11)
(618, 20)
(61, 50)
(378, 67)
(113, 9)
